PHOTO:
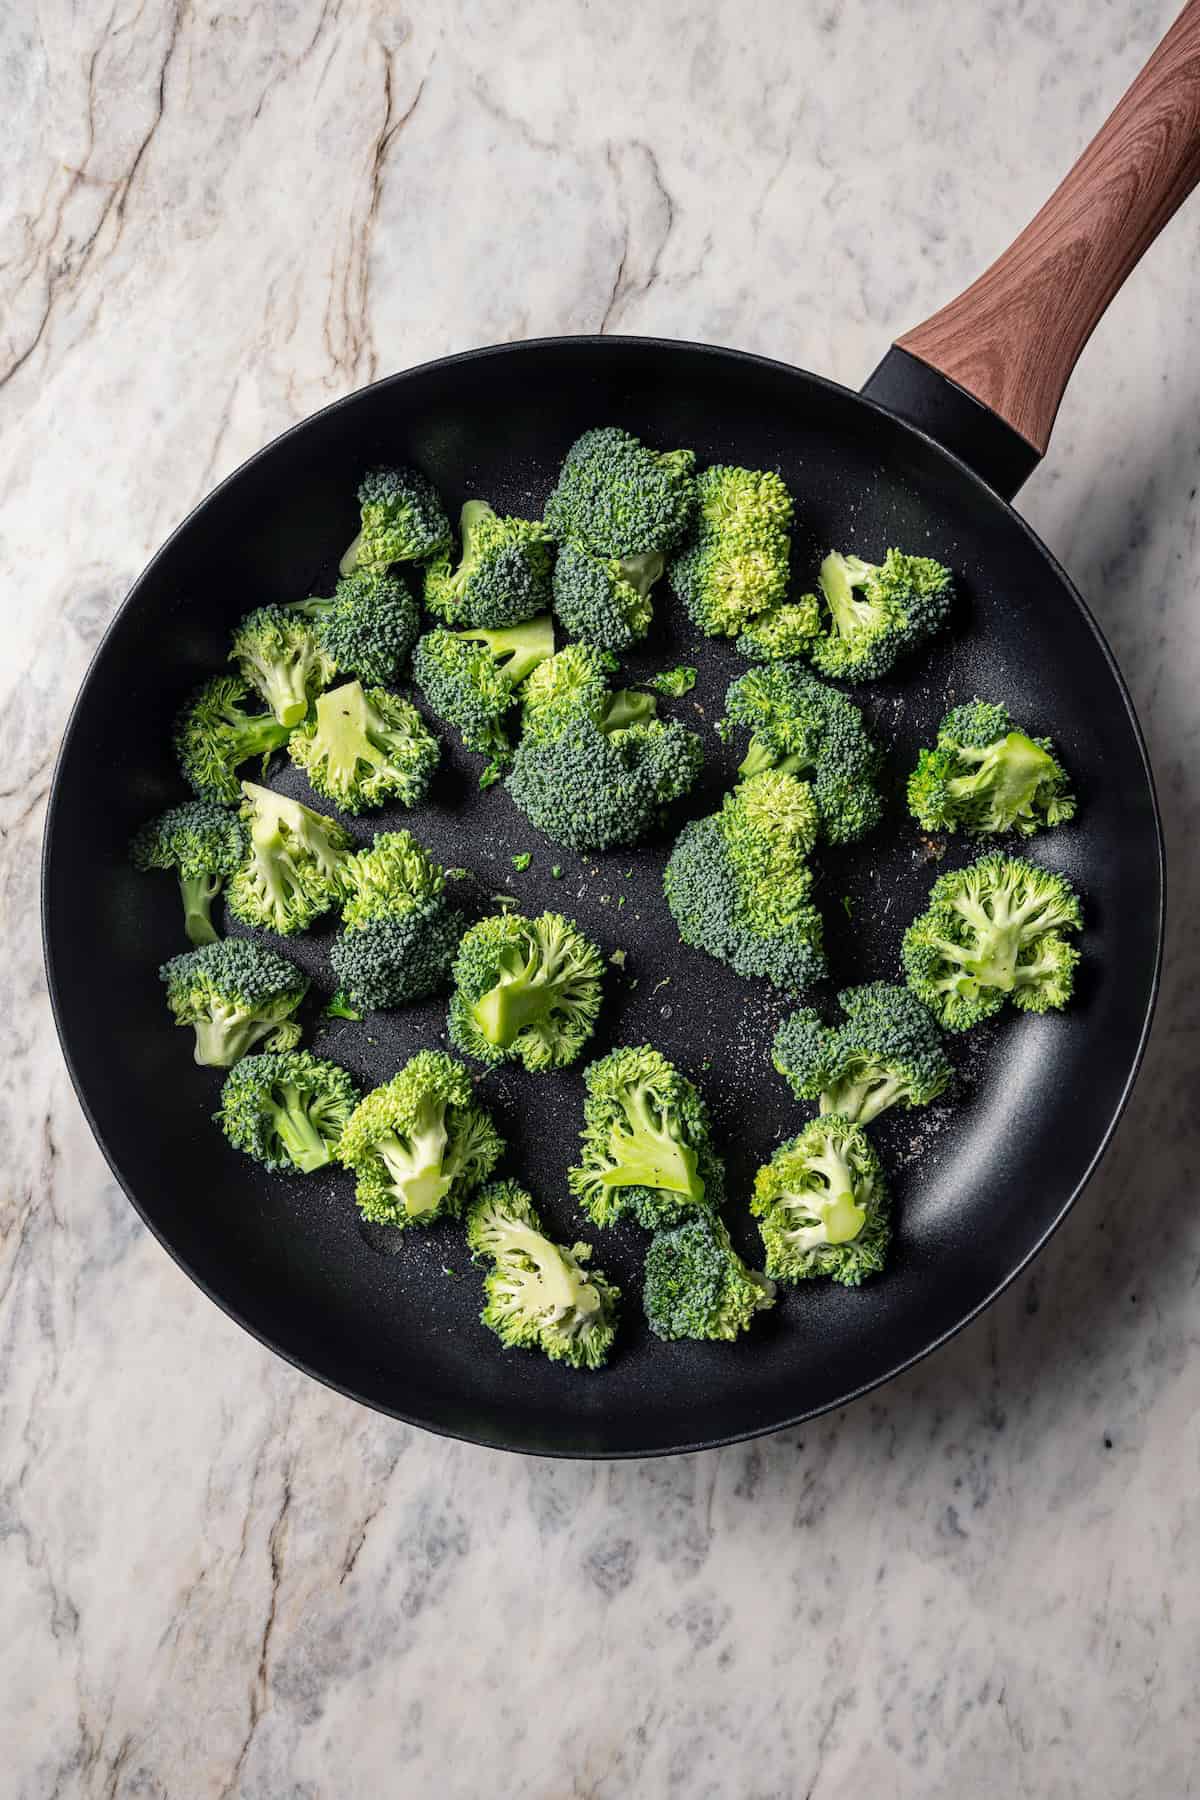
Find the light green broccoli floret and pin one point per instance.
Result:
(988, 777)
(647, 1143)
(876, 612)
(295, 866)
(203, 844)
(803, 727)
(403, 520)
(887, 1052)
(215, 735)
(782, 631)
(280, 654)
(736, 565)
(364, 748)
(525, 990)
(400, 933)
(366, 627)
(821, 1203)
(471, 679)
(286, 1109)
(539, 1295)
(233, 994)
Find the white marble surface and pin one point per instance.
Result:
(216, 1579)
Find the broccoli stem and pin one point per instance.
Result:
(416, 1168)
(560, 1290)
(627, 708)
(862, 1100)
(837, 578)
(646, 1156)
(286, 693)
(225, 1036)
(349, 560)
(199, 892)
(517, 1000)
(299, 1136)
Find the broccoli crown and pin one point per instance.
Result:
(888, 1052)
(419, 1145)
(539, 1295)
(605, 600)
(281, 655)
(784, 630)
(390, 878)
(736, 564)
(821, 1203)
(233, 993)
(215, 735)
(391, 961)
(502, 577)
(801, 726)
(991, 930)
(203, 843)
(296, 864)
(617, 498)
(367, 627)
(697, 1286)
(525, 990)
(647, 1143)
(738, 882)
(987, 776)
(363, 748)
(286, 1109)
(470, 678)
(878, 612)
(403, 520)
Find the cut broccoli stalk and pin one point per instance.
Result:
(646, 1155)
(415, 1166)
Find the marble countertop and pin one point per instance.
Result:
(218, 1579)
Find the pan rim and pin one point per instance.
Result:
(527, 346)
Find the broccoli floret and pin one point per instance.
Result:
(888, 1052)
(502, 578)
(233, 994)
(419, 1145)
(367, 627)
(539, 1295)
(988, 776)
(803, 727)
(203, 843)
(697, 1286)
(605, 600)
(215, 735)
(738, 882)
(280, 654)
(471, 678)
(878, 611)
(403, 520)
(286, 1109)
(674, 682)
(991, 930)
(400, 932)
(617, 498)
(525, 990)
(362, 749)
(647, 1143)
(736, 564)
(294, 870)
(784, 630)
(822, 1205)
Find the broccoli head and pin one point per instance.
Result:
(878, 612)
(806, 728)
(736, 563)
(471, 678)
(367, 627)
(403, 520)
(400, 933)
(203, 843)
(615, 497)
(605, 599)
(889, 1052)
(821, 1203)
(294, 870)
(525, 990)
(539, 1295)
(988, 777)
(215, 735)
(419, 1145)
(993, 930)
(697, 1286)
(286, 1109)
(784, 630)
(233, 994)
(502, 577)
(363, 748)
(647, 1143)
(281, 655)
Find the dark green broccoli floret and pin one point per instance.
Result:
(605, 600)
(362, 749)
(471, 678)
(784, 630)
(988, 777)
(617, 498)
(821, 1203)
(367, 627)
(294, 869)
(805, 728)
(203, 843)
(697, 1286)
(233, 994)
(738, 882)
(419, 1145)
(525, 990)
(400, 932)
(403, 520)
(647, 1143)
(539, 1295)
(215, 735)
(888, 1052)
(993, 930)
(877, 612)
(281, 655)
(736, 564)
(502, 577)
(286, 1109)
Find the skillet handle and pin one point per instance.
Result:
(1002, 352)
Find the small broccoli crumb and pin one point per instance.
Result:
(847, 906)
(556, 871)
(618, 957)
(522, 859)
(339, 1007)
(675, 682)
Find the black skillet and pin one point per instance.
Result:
(923, 459)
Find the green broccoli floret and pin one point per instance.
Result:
(805, 728)
(400, 932)
(233, 994)
(286, 1109)
(736, 563)
(674, 682)
(697, 1286)
(203, 843)
(993, 930)
(362, 749)
(502, 577)
(987, 776)
(888, 1052)
(215, 735)
(878, 611)
(822, 1205)
(525, 990)
(647, 1143)
(294, 870)
(539, 1295)
(615, 497)
(367, 627)
(784, 630)
(403, 520)
(419, 1145)
(281, 656)
(605, 600)
(471, 678)
(738, 882)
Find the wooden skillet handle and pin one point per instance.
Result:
(1013, 337)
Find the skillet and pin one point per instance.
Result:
(928, 457)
